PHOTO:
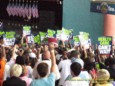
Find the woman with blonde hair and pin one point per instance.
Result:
(102, 78)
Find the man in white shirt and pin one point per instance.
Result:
(75, 80)
(64, 66)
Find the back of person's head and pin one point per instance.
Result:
(46, 55)
(18, 42)
(42, 69)
(16, 70)
(75, 68)
(32, 62)
(112, 61)
(61, 49)
(74, 53)
(20, 60)
(88, 64)
(102, 76)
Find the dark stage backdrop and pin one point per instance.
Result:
(50, 16)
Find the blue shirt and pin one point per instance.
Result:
(47, 81)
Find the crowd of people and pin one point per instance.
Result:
(48, 65)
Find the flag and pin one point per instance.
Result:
(33, 11)
(30, 11)
(26, 10)
(36, 11)
(8, 9)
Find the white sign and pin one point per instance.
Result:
(30, 39)
(104, 49)
(26, 30)
(9, 42)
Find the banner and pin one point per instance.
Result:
(105, 44)
(26, 30)
(76, 40)
(103, 6)
(9, 38)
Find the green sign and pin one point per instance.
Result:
(104, 40)
(51, 32)
(10, 35)
(85, 36)
(66, 31)
(42, 34)
(59, 31)
(76, 39)
(26, 28)
(37, 39)
(1, 33)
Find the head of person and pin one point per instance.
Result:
(110, 62)
(16, 70)
(88, 64)
(102, 76)
(42, 69)
(46, 55)
(20, 60)
(75, 69)
(18, 42)
(75, 54)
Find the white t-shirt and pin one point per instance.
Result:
(6, 72)
(64, 65)
(30, 70)
(76, 81)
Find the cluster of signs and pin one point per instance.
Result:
(104, 43)
(82, 39)
(43, 37)
(103, 6)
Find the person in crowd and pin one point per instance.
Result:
(46, 58)
(42, 69)
(75, 80)
(14, 80)
(102, 78)
(24, 75)
(2, 63)
(76, 58)
(64, 67)
(111, 68)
